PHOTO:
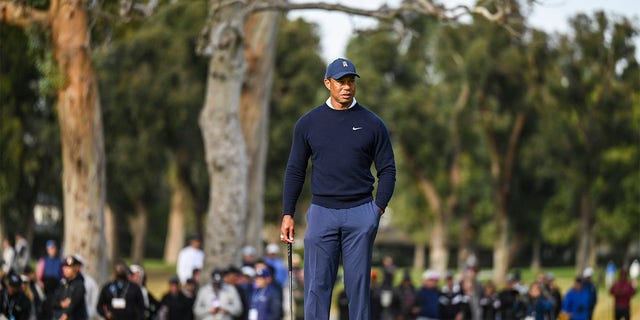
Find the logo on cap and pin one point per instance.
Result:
(345, 64)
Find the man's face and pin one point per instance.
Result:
(342, 91)
(52, 251)
(70, 272)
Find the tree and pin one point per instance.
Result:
(78, 110)
(591, 131)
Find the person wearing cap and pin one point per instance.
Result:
(449, 297)
(556, 295)
(427, 305)
(68, 302)
(189, 258)
(138, 277)
(343, 139)
(174, 305)
(217, 300)
(266, 302)
(576, 302)
(590, 287)
(49, 269)
(511, 305)
(121, 299)
(273, 259)
(92, 291)
(14, 304)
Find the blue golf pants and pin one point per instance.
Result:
(331, 232)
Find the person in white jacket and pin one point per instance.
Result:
(217, 300)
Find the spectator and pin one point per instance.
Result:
(489, 302)
(388, 272)
(555, 293)
(190, 257)
(591, 288)
(120, 299)
(14, 304)
(273, 259)
(37, 293)
(406, 294)
(23, 255)
(138, 277)
(231, 277)
(69, 302)
(190, 289)
(8, 256)
(248, 256)
(428, 297)
(375, 306)
(174, 305)
(49, 271)
(92, 291)
(610, 274)
(511, 306)
(622, 291)
(266, 303)
(538, 306)
(217, 300)
(450, 297)
(343, 305)
(576, 302)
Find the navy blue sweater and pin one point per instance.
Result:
(342, 145)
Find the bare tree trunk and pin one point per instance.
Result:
(439, 250)
(180, 205)
(536, 258)
(110, 230)
(260, 47)
(225, 147)
(418, 256)
(80, 118)
(464, 241)
(138, 227)
(501, 242)
(585, 245)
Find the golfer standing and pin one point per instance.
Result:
(342, 138)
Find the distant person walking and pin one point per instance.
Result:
(190, 258)
(622, 291)
(23, 254)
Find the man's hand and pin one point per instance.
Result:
(286, 229)
(65, 303)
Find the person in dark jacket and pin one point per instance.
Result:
(68, 301)
(266, 303)
(121, 299)
(14, 304)
(489, 302)
(174, 305)
(576, 302)
(538, 306)
(428, 297)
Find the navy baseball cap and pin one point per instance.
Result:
(340, 68)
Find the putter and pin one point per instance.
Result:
(290, 258)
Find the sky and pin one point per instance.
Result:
(549, 15)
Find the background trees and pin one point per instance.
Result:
(509, 140)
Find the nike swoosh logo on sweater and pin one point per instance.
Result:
(356, 128)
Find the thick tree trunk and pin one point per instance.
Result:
(180, 205)
(418, 256)
(465, 249)
(110, 232)
(501, 257)
(584, 233)
(138, 227)
(83, 157)
(225, 148)
(536, 257)
(260, 48)
(439, 249)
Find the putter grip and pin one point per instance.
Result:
(289, 256)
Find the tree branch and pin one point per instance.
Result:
(424, 7)
(21, 15)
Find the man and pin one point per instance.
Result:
(174, 305)
(138, 277)
(190, 257)
(622, 291)
(266, 303)
(68, 302)
(121, 299)
(427, 305)
(450, 297)
(590, 287)
(217, 300)
(273, 259)
(576, 303)
(92, 291)
(342, 138)
(23, 254)
(14, 304)
(49, 270)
